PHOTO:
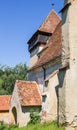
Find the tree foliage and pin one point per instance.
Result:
(9, 75)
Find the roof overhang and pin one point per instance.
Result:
(65, 6)
(65, 66)
(42, 64)
(51, 75)
(38, 32)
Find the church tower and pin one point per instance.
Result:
(39, 40)
(68, 74)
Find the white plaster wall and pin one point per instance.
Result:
(71, 93)
(4, 116)
(15, 102)
(38, 74)
(65, 36)
(22, 118)
(34, 55)
(50, 105)
(69, 88)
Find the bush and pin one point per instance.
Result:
(34, 117)
(13, 126)
(1, 123)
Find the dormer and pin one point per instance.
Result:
(37, 42)
(39, 38)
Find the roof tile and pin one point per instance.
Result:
(5, 102)
(50, 22)
(53, 50)
(29, 93)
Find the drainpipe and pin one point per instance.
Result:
(44, 70)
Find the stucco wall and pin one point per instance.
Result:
(34, 55)
(50, 103)
(38, 74)
(72, 91)
(23, 113)
(4, 116)
(62, 76)
(15, 102)
(69, 114)
(65, 36)
(26, 113)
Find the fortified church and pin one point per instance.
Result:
(52, 75)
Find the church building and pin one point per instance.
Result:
(52, 75)
(45, 60)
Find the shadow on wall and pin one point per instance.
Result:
(64, 15)
(60, 93)
(14, 112)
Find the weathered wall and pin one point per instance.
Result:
(38, 74)
(26, 113)
(50, 103)
(63, 76)
(34, 55)
(23, 113)
(15, 102)
(69, 114)
(71, 93)
(65, 36)
(4, 116)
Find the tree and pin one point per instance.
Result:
(10, 75)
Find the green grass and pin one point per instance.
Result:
(45, 126)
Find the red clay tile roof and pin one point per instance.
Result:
(29, 93)
(50, 22)
(53, 50)
(5, 102)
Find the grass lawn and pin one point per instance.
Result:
(45, 126)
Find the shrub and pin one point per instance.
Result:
(1, 123)
(13, 126)
(34, 117)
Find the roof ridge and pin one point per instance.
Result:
(48, 16)
(56, 14)
(5, 95)
(26, 81)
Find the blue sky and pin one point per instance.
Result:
(19, 19)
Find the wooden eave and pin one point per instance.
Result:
(38, 32)
(65, 6)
